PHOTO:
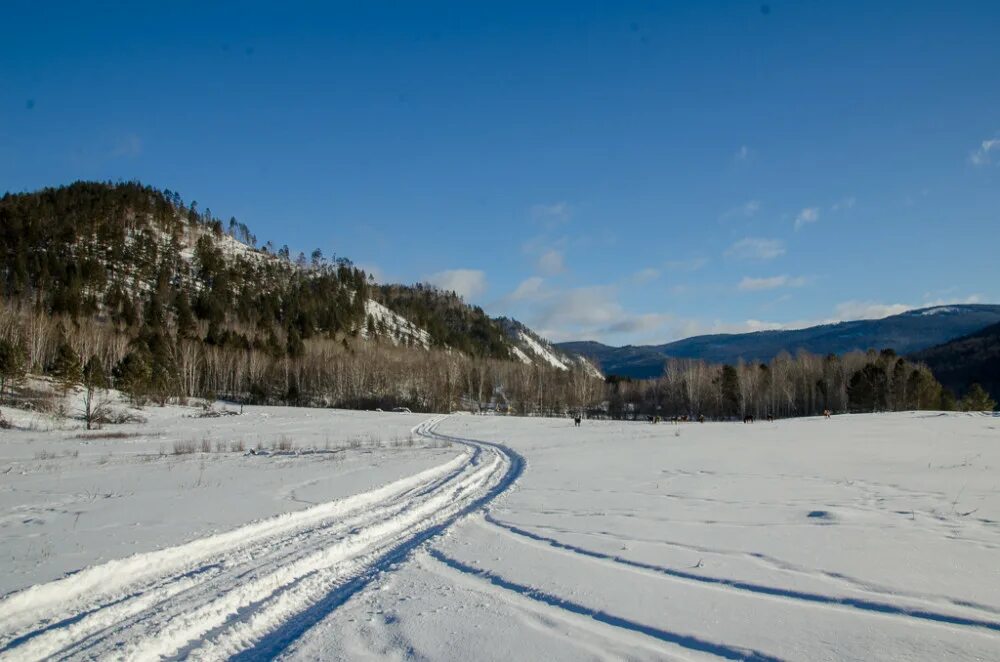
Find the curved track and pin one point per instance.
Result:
(252, 591)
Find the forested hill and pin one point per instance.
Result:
(153, 276)
(971, 359)
(128, 252)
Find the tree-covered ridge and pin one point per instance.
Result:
(449, 320)
(136, 255)
(170, 302)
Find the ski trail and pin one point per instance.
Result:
(686, 641)
(255, 588)
(838, 580)
(866, 605)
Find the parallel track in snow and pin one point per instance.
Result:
(250, 592)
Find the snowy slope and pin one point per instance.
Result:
(529, 348)
(540, 351)
(399, 328)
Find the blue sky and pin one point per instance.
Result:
(626, 172)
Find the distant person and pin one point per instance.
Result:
(576, 421)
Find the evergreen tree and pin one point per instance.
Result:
(730, 386)
(868, 388)
(133, 374)
(185, 316)
(66, 367)
(977, 399)
(12, 368)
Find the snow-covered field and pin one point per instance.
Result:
(858, 537)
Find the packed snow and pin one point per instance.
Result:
(468, 537)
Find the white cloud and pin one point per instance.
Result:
(569, 313)
(693, 264)
(551, 262)
(755, 248)
(854, 310)
(466, 283)
(529, 288)
(552, 213)
(983, 155)
(632, 324)
(747, 209)
(749, 284)
(645, 275)
(806, 216)
(743, 153)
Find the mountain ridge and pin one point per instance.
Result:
(906, 332)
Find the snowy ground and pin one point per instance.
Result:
(859, 537)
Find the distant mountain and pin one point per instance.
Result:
(906, 333)
(971, 359)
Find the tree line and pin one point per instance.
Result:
(803, 385)
(161, 366)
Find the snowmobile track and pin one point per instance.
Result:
(249, 593)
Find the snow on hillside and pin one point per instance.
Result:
(533, 346)
(858, 537)
(540, 351)
(939, 310)
(399, 328)
(588, 366)
(520, 355)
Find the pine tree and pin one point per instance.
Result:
(730, 387)
(868, 388)
(66, 366)
(133, 374)
(977, 399)
(12, 368)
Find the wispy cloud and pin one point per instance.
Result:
(692, 264)
(527, 289)
(744, 153)
(551, 262)
(806, 216)
(853, 310)
(553, 213)
(755, 248)
(645, 275)
(747, 209)
(749, 284)
(983, 155)
(466, 283)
